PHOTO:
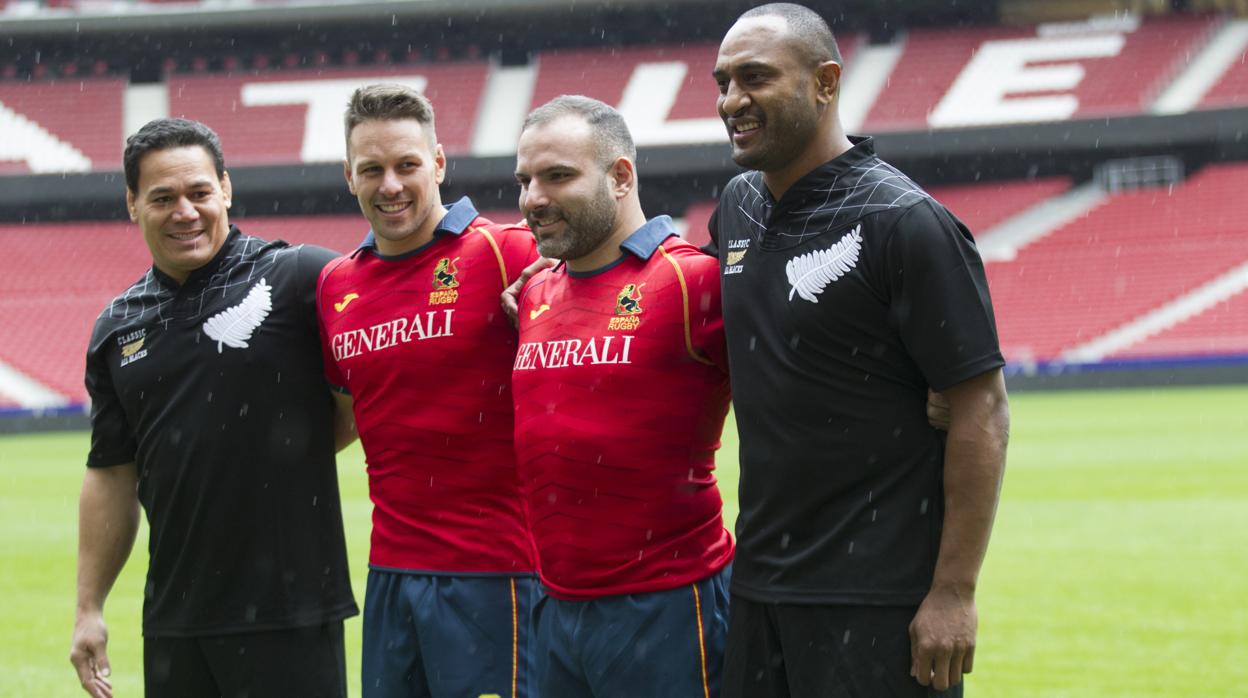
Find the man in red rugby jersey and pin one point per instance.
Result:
(621, 390)
(413, 332)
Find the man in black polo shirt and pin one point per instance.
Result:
(847, 292)
(209, 407)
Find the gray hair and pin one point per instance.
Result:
(611, 134)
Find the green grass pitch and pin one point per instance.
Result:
(1118, 567)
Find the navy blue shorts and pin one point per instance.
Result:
(434, 636)
(783, 650)
(664, 644)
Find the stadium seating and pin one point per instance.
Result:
(983, 206)
(1231, 90)
(932, 59)
(1220, 330)
(273, 133)
(57, 108)
(1130, 255)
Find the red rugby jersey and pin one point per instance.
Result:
(621, 390)
(421, 343)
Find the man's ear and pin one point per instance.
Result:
(439, 159)
(346, 173)
(828, 76)
(623, 176)
(227, 189)
(132, 206)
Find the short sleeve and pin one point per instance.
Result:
(333, 375)
(939, 297)
(706, 317)
(113, 441)
(712, 228)
(518, 249)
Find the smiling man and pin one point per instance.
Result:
(415, 338)
(847, 292)
(209, 408)
(621, 391)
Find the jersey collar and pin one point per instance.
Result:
(641, 243)
(458, 217)
(819, 179)
(646, 239)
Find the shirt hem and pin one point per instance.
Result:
(341, 612)
(827, 597)
(449, 573)
(647, 587)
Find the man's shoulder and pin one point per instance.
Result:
(142, 297)
(688, 256)
(747, 184)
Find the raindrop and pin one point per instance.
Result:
(243, 411)
(784, 541)
(753, 342)
(314, 498)
(845, 640)
(210, 396)
(851, 547)
(923, 506)
(793, 342)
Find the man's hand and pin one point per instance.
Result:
(942, 638)
(511, 296)
(89, 654)
(937, 410)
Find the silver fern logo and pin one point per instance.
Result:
(233, 326)
(810, 273)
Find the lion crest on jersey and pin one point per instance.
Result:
(629, 300)
(444, 274)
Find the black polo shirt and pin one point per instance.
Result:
(843, 302)
(215, 390)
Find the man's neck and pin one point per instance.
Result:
(826, 147)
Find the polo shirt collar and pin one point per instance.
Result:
(646, 239)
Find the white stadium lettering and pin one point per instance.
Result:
(26, 141)
(985, 92)
(322, 133)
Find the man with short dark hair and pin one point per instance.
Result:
(847, 292)
(414, 337)
(621, 389)
(209, 408)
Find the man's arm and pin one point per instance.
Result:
(344, 420)
(943, 632)
(511, 295)
(108, 519)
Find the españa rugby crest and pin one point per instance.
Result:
(627, 308)
(445, 282)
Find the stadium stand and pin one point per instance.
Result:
(1232, 88)
(1133, 253)
(1123, 81)
(983, 206)
(1219, 331)
(30, 112)
(266, 118)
